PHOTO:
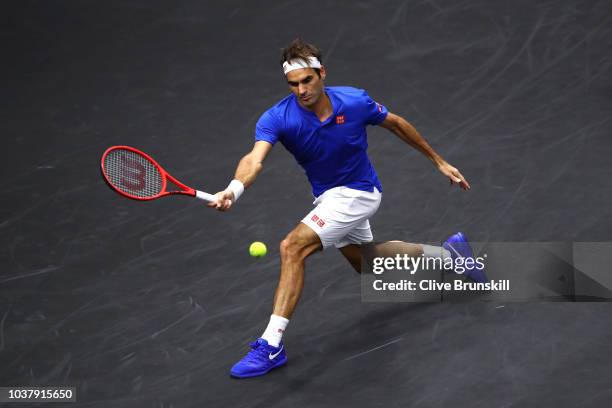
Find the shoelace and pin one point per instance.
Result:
(257, 353)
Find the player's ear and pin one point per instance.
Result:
(322, 72)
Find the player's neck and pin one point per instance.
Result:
(322, 107)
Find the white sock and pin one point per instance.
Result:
(430, 251)
(274, 332)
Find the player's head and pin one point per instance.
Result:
(304, 71)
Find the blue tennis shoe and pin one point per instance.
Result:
(259, 360)
(459, 247)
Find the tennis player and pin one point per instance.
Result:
(325, 130)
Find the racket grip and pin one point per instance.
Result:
(205, 196)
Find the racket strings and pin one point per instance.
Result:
(132, 173)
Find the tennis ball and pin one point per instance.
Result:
(258, 249)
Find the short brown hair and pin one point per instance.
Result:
(299, 49)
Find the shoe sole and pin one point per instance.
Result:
(259, 373)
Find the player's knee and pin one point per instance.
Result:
(291, 248)
(284, 247)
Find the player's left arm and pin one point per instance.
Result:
(405, 131)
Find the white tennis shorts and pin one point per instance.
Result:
(341, 216)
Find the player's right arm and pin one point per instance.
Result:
(250, 165)
(247, 171)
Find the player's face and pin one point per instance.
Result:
(306, 85)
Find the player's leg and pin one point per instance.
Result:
(297, 245)
(355, 246)
(319, 229)
(358, 243)
(354, 252)
(268, 352)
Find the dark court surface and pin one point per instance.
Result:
(149, 304)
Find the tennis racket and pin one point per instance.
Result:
(134, 174)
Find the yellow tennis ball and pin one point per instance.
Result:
(258, 249)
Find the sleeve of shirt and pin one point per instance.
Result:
(375, 112)
(268, 128)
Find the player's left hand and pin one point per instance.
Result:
(454, 175)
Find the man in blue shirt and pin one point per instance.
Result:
(325, 130)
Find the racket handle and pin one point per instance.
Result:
(205, 196)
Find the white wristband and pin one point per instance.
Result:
(236, 187)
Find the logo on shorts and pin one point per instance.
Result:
(339, 119)
(315, 218)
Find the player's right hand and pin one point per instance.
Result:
(223, 201)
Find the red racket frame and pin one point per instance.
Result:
(164, 175)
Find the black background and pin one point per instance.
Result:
(149, 304)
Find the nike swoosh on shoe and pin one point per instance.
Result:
(273, 356)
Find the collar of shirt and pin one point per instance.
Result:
(336, 107)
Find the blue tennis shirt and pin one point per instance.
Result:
(333, 152)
